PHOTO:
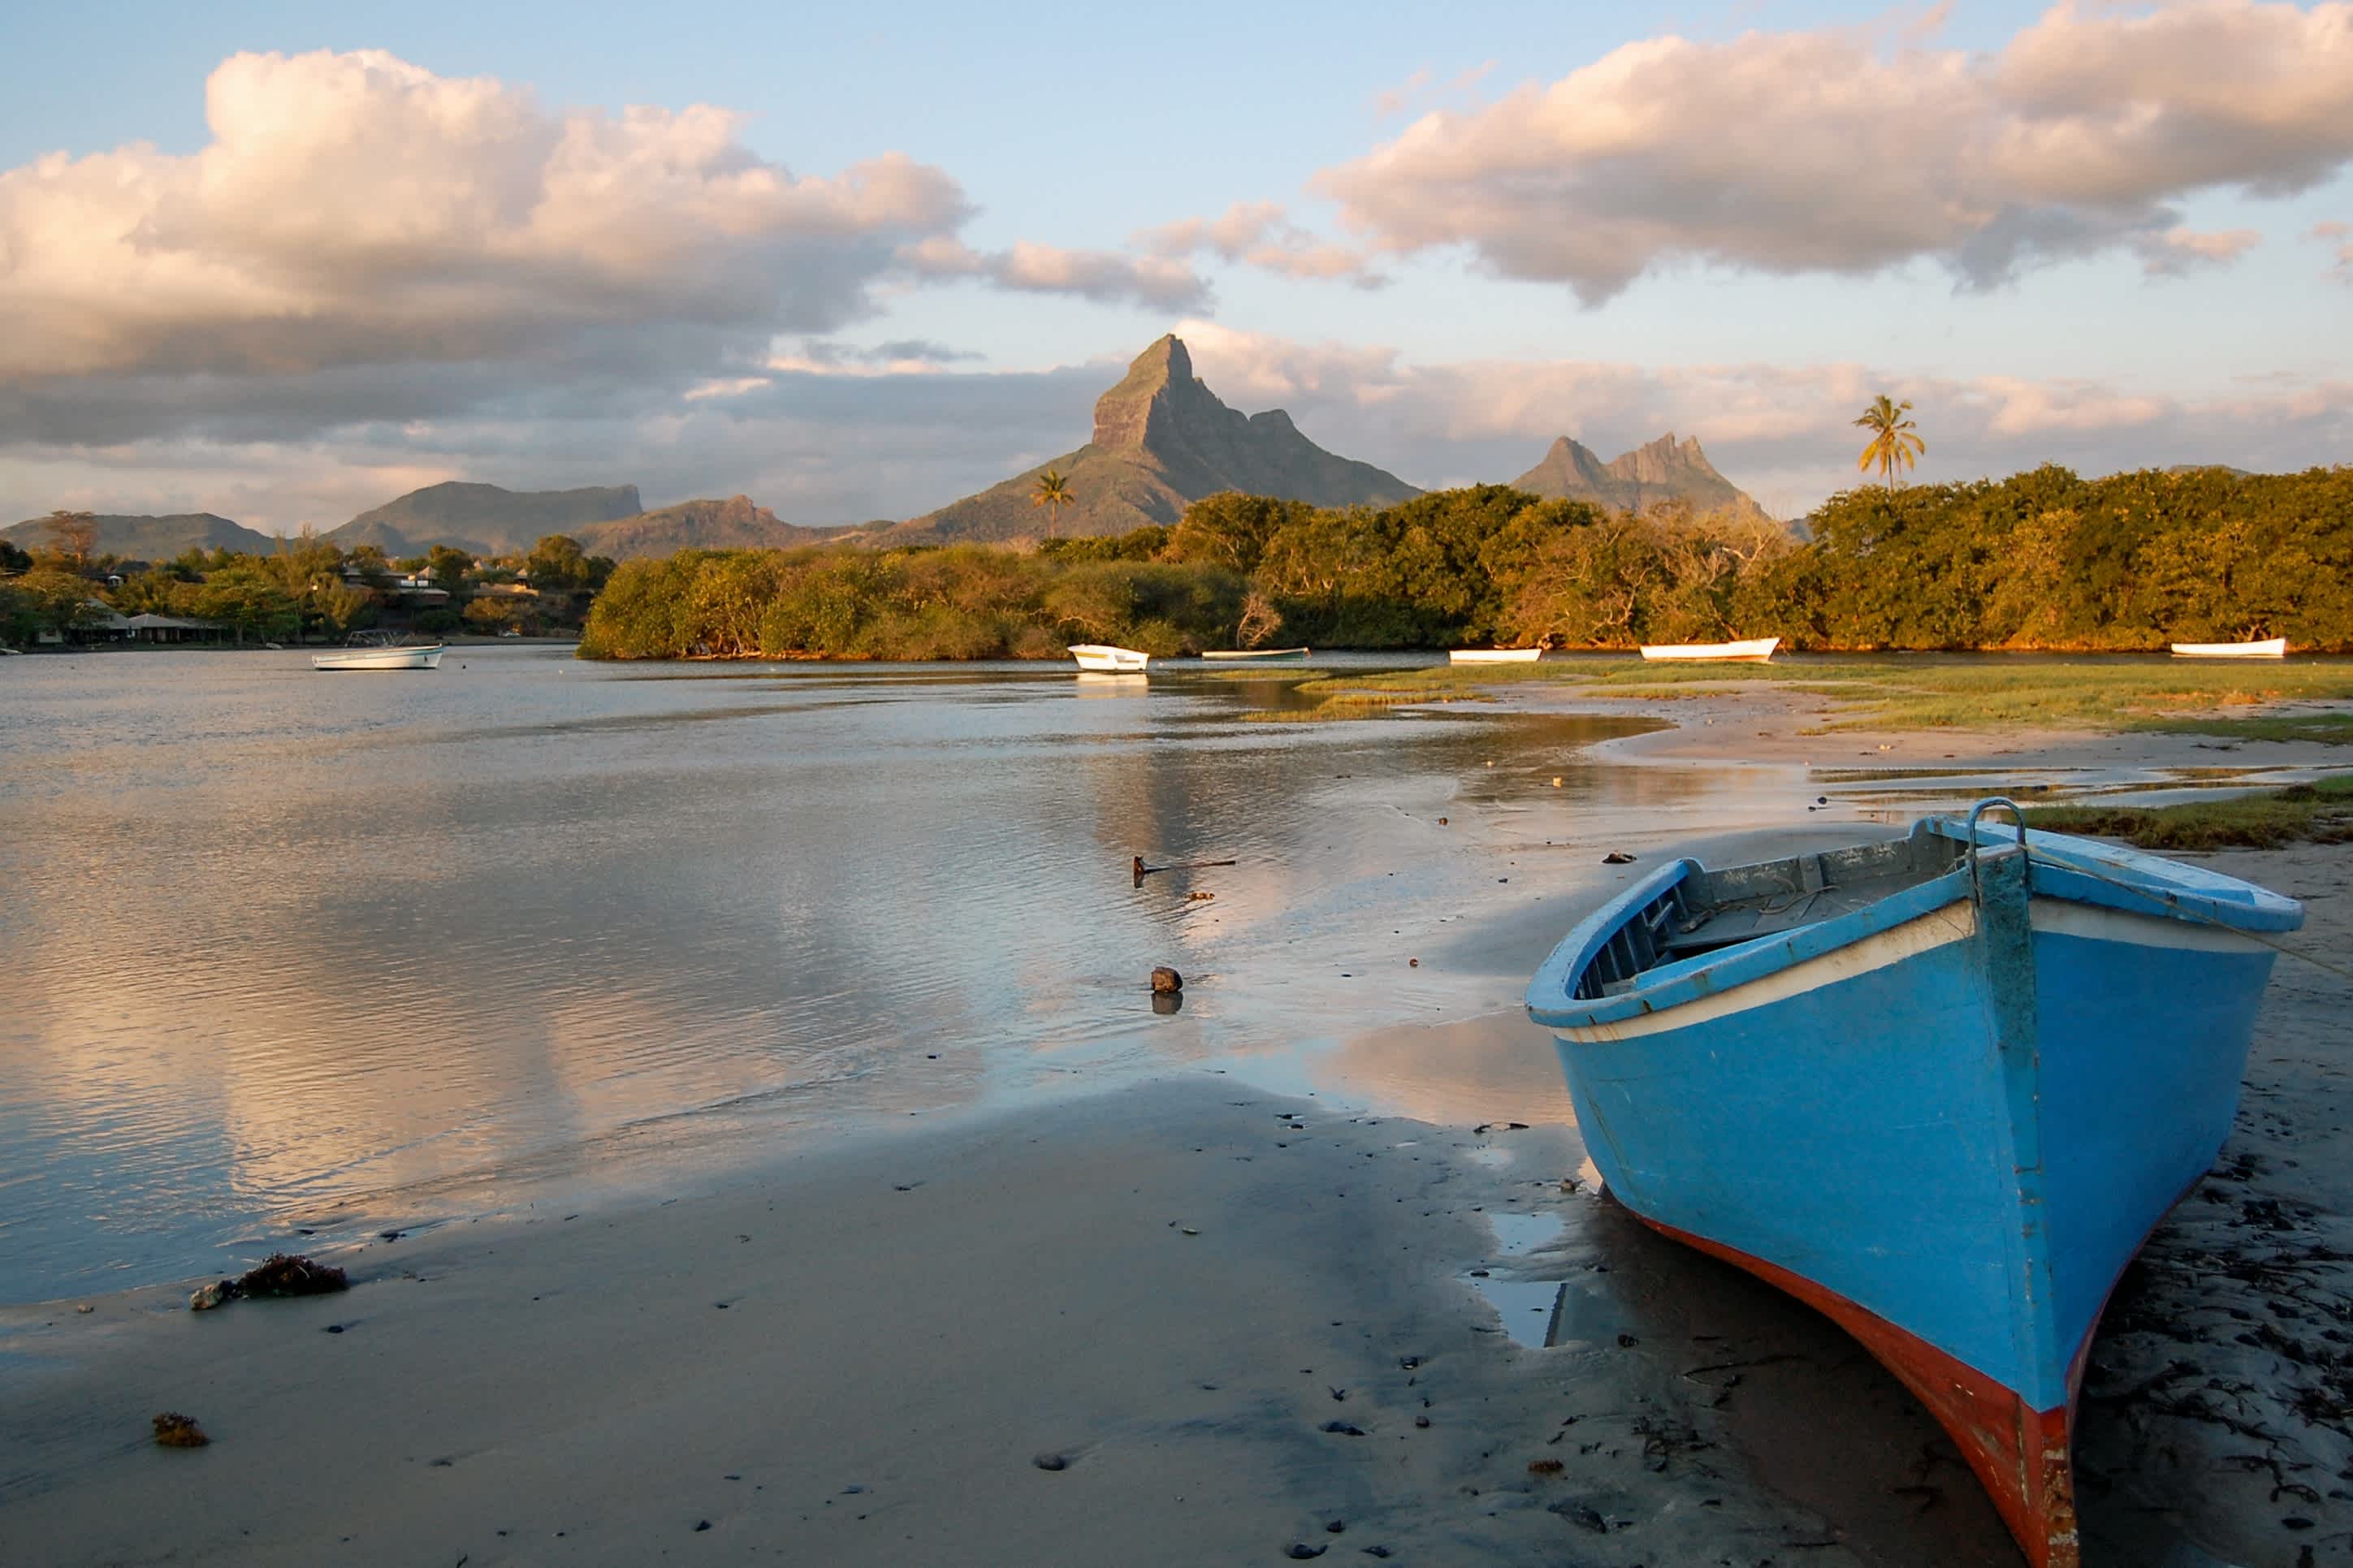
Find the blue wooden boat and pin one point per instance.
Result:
(1940, 1087)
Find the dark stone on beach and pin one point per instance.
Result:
(1617, 858)
(1627, 1341)
(1377, 1552)
(1343, 1429)
(1421, 1420)
(1337, 1526)
(335, 1328)
(1051, 1462)
(389, 1236)
(1300, 1552)
(1577, 1513)
(1408, 1362)
(1166, 982)
(701, 1524)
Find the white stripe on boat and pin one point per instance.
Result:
(1957, 921)
(2061, 917)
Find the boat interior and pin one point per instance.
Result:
(1710, 909)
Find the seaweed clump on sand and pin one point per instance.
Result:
(174, 1430)
(280, 1274)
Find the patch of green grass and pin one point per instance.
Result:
(1925, 691)
(2330, 728)
(2319, 813)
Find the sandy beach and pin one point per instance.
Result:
(1191, 1322)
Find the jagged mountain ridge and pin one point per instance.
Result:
(137, 538)
(734, 524)
(1653, 474)
(1162, 441)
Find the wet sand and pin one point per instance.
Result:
(1227, 1315)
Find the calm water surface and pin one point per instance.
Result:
(280, 950)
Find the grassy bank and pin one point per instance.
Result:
(1925, 691)
(2320, 813)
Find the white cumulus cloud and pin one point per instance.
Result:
(1848, 150)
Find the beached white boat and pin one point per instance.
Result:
(1493, 654)
(422, 657)
(1755, 650)
(2270, 648)
(1105, 659)
(1257, 655)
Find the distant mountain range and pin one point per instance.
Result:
(1162, 441)
(1651, 474)
(483, 520)
(152, 538)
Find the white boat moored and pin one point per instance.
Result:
(426, 657)
(1493, 654)
(1105, 659)
(2270, 648)
(1755, 650)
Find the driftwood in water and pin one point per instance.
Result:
(1142, 870)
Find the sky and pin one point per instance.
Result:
(284, 262)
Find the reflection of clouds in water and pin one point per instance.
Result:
(280, 960)
(1494, 1067)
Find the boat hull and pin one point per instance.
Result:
(1950, 1136)
(381, 658)
(1493, 654)
(1757, 651)
(1101, 659)
(2272, 647)
(1259, 656)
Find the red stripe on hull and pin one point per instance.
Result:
(2024, 1456)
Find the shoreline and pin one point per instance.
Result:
(856, 1350)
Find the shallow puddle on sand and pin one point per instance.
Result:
(1518, 1232)
(1526, 1309)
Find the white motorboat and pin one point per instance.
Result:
(393, 657)
(2270, 648)
(1493, 654)
(1105, 659)
(1755, 650)
(1257, 655)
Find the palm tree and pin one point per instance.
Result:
(1893, 444)
(1053, 493)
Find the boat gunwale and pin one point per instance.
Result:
(2071, 870)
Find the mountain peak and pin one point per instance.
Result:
(1653, 473)
(1163, 440)
(1159, 379)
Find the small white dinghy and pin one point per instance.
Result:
(1755, 650)
(382, 657)
(1493, 654)
(2270, 648)
(1257, 655)
(1104, 659)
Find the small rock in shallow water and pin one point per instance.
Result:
(1051, 1462)
(1300, 1552)
(702, 1524)
(1343, 1429)
(1167, 981)
(174, 1430)
(210, 1295)
(1617, 858)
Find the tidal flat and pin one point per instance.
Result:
(756, 1072)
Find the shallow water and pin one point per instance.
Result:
(283, 952)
